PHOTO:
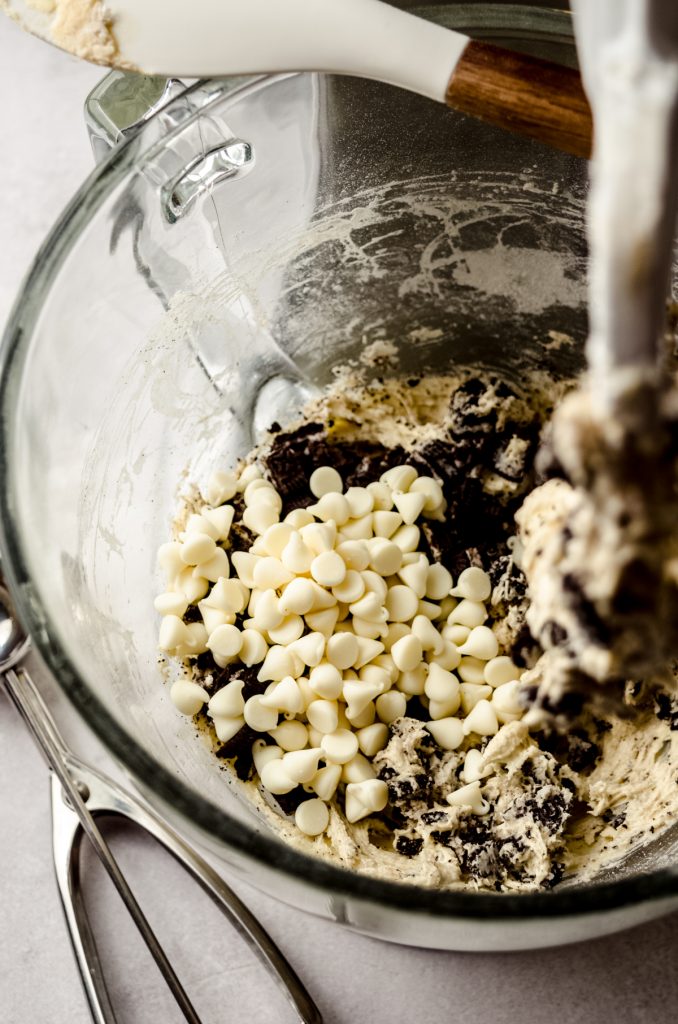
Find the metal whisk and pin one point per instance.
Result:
(80, 794)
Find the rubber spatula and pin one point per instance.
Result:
(367, 38)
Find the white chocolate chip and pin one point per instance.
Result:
(310, 648)
(267, 612)
(468, 613)
(372, 738)
(432, 491)
(319, 537)
(402, 602)
(358, 769)
(270, 573)
(220, 519)
(448, 657)
(328, 569)
(312, 817)
(258, 716)
(302, 765)
(285, 696)
(357, 529)
(355, 554)
(258, 518)
(192, 587)
(326, 681)
(367, 629)
(431, 639)
(176, 604)
(385, 556)
(339, 746)
(360, 501)
(263, 752)
(385, 524)
(474, 768)
(469, 796)
(342, 650)
(364, 798)
(382, 495)
(290, 735)
(438, 709)
(447, 732)
(443, 686)
(225, 641)
(500, 670)
(325, 480)
(438, 582)
(365, 718)
(400, 478)
(471, 694)
(173, 633)
(456, 634)
(413, 683)
(188, 697)
(227, 728)
(410, 505)
(275, 779)
(482, 720)
(221, 486)
(254, 647)
(506, 702)
(407, 652)
(481, 643)
(367, 650)
(351, 589)
(358, 695)
(197, 548)
(391, 706)
(296, 556)
(276, 538)
(471, 670)
(324, 621)
(415, 575)
(278, 663)
(473, 584)
(248, 473)
(215, 567)
(395, 632)
(297, 518)
(229, 596)
(332, 506)
(170, 560)
(322, 599)
(244, 564)
(386, 662)
(369, 607)
(326, 780)
(289, 630)
(323, 715)
(228, 701)
(407, 538)
(213, 618)
(375, 584)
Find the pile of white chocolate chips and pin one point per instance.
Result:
(348, 620)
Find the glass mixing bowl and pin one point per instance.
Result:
(204, 281)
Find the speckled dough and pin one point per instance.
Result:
(558, 804)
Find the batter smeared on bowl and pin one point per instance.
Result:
(350, 612)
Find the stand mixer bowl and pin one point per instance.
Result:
(204, 282)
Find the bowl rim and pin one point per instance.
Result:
(266, 849)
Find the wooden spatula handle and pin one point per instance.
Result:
(525, 94)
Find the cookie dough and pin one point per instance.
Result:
(520, 808)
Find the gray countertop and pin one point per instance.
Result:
(628, 978)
